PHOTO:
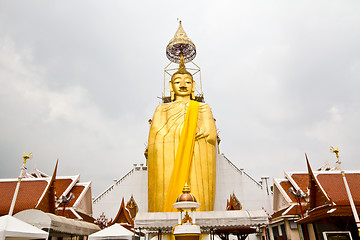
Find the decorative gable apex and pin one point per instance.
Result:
(317, 196)
(123, 216)
(47, 201)
(132, 207)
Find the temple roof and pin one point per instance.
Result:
(123, 216)
(35, 192)
(153, 221)
(30, 192)
(325, 191)
(330, 182)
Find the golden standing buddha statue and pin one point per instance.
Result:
(182, 139)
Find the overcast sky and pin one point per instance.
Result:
(80, 79)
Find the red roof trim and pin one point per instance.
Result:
(327, 211)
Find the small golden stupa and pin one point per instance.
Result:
(186, 204)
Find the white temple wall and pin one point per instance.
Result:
(229, 179)
(134, 183)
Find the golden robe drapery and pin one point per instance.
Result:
(164, 138)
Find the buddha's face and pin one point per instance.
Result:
(182, 84)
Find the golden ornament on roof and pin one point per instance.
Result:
(186, 196)
(180, 45)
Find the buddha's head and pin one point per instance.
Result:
(182, 84)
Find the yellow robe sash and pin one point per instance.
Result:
(184, 155)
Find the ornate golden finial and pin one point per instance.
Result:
(336, 151)
(186, 188)
(26, 157)
(179, 45)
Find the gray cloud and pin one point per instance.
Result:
(79, 80)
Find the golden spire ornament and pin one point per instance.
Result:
(179, 45)
(336, 151)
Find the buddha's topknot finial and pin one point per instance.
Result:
(182, 69)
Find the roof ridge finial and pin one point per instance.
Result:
(336, 151)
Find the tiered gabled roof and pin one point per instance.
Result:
(325, 194)
(39, 193)
(332, 185)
